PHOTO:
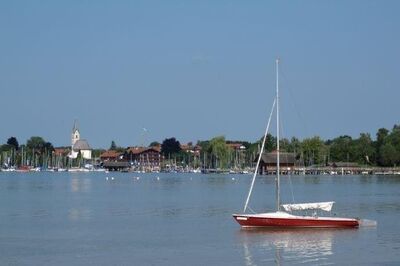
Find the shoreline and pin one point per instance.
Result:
(365, 171)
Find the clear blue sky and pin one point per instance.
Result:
(196, 69)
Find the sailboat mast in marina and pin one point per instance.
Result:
(287, 218)
(278, 169)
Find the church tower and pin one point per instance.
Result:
(75, 136)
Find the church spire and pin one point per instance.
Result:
(75, 128)
(75, 136)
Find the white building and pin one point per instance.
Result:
(79, 145)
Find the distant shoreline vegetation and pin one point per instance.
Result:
(383, 151)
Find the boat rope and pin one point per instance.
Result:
(248, 207)
(295, 105)
(291, 186)
(259, 157)
(287, 160)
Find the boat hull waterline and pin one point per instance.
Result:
(291, 221)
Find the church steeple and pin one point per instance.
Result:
(75, 136)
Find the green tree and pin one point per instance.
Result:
(170, 147)
(155, 144)
(389, 152)
(270, 143)
(113, 146)
(341, 149)
(48, 147)
(394, 137)
(6, 148)
(36, 143)
(315, 151)
(381, 136)
(13, 142)
(295, 147)
(284, 145)
(364, 150)
(389, 155)
(219, 151)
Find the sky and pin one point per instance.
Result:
(194, 70)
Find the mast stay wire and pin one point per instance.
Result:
(283, 134)
(286, 157)
(300, 116)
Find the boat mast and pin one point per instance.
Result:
(278, 194)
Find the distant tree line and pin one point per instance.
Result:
(384, 151)
(216, 153)
(36, 152)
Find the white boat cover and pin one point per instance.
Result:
(325, 206)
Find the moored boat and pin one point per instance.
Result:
(284, 216)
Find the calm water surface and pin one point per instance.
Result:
(185, 219)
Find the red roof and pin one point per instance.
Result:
(135, 150)
(138, 150)
(60, 151)
(110, 154)
(235, 146)
(186, 147)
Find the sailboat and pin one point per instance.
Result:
(284, 217)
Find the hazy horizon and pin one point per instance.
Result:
(194, 70)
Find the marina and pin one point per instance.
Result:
(377, 171)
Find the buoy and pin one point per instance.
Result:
(112, 178)
(107, 178)
(233, 178)
(158, 178)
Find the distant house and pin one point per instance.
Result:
(197, 150)
(111, 155)
(60, 152)
(269, 161)
(186, 147)
(144, 156)
(79, 145)
(239, 154)
(189, 148)
(236, 146)
(116, 166)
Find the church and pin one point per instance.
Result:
(79, 145)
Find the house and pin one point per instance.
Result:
(239, 154)
(186, 147)
(268, 161)
(189, 148)
(236, 146)
(116, 166)
(60, 152)
(111, 155)
(144, 156)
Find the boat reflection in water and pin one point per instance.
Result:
(282, 246)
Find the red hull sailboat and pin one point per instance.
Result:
(285, 219)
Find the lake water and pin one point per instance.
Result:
(185, 219)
